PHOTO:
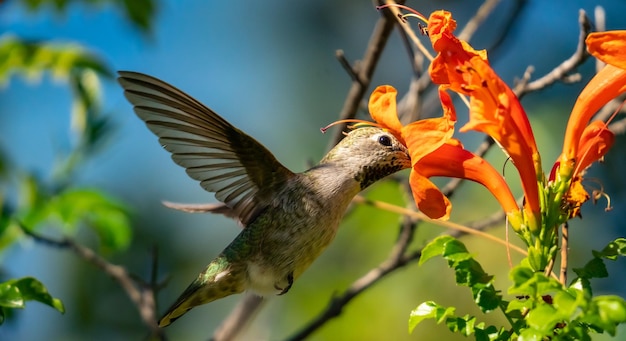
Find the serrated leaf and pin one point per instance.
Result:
(486, 297)
(455, 250)
(490, 333)
(463, 325)
(595, 268)
(469, 273)
(429, 310)
(612, 250)
(434, 248)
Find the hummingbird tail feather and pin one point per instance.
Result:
(209, 286)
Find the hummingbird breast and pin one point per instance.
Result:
(294, 230)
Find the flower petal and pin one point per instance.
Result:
(596, 141)
(424, 136)
(451, 52)
(382, 107)
(609, 47)
(428, 197)
(452, 160)
(607, 84)
(494, 108)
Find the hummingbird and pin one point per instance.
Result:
(288, 218)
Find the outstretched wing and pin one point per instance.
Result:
(243, 173)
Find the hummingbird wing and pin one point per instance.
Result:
(241, 172)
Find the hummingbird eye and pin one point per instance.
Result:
(384, 140)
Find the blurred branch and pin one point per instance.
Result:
(239, 318)
(479, 17)
(361, 74)
(140, 292)
(618, 127)
(562, 71)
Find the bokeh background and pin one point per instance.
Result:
(269, 68)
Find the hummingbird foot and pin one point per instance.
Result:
(289, 284)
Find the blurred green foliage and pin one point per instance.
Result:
(28, 201)
(138, 12)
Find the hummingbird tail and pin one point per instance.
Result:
(216, 282)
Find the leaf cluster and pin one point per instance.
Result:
(541, 308)
(30, 202)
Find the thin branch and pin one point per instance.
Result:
(239, 318)
(618, 127)
(479, 17)
(361, 82)
(139, 292)
(562, 70)
(599, 18)
(564, 252)
(352, 71)
(337, 303)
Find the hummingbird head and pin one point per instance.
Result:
(369, 154)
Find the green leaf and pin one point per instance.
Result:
(434, 248)
(140, 12)
(462, 325)
(526, 282)
(455, 251)
(531, 334)
(606, 312)
(429, 310)
(10, 296)
(519, 305)
(486, 297)
(14, 293)
(595, 268)
(468, 272)
(107, 217)
(544, 318)
(612, 250)
(567, 302)
(491, 333)
(32, 59)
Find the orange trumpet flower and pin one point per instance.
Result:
(435, 153)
